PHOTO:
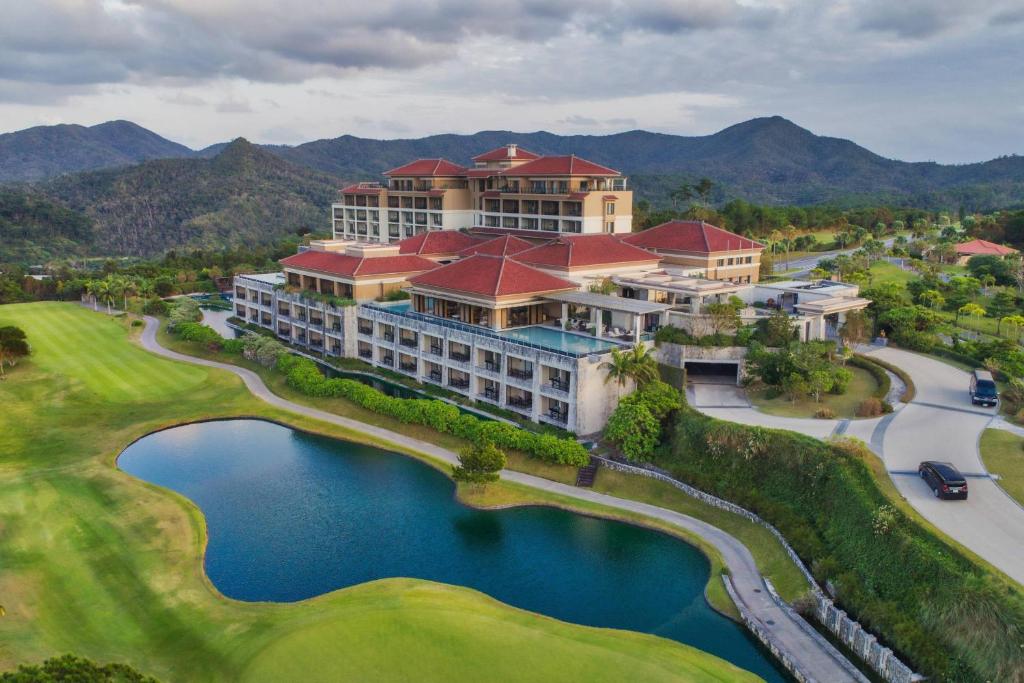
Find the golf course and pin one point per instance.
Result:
(102, 565)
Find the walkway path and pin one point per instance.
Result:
(819, 659)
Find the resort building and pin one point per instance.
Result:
(966, 250)
(507, 187)
(511, 280)
(703, 248)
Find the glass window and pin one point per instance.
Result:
(609, 208)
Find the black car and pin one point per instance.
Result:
(944, 480)
(983, 388)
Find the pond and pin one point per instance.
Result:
(292, 515)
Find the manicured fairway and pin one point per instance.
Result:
(95, 562)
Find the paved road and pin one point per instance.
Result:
(808, 263)
(821, 660)
(941, 424)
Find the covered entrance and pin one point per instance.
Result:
(712, 372)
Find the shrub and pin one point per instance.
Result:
(881, 377)
(136, 323)
(479, 464)
(869, 407)
(304, 376)
(233, 346)
(634, 430)
(74, 668)
(841, 378)
(825, 413)
(184, 310)
(199, 333)
(155, 306)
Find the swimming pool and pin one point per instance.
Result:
(553, 338)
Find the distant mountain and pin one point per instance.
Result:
(47, 151)
(766, 160)
(35, 228)
(243, 195)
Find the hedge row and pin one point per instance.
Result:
(878, 372)
(948, 617)
(304, 376)
(944, 352)
(910, 391)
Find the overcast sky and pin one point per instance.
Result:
(935, 80)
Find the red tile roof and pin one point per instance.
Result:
(983, 248)
(363, 188)
(344, 265)
(481, 172)
(559, 166)
(501, 154)
(518, 232)
(580, 251)
(438, 242)
(427, 167)
(499, 246)
(690, 236)
(492, 276)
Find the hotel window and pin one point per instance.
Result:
(572, 226)
(436, 219)
(749, 259)
(528, 223)
(406, 202)
(392, 202)
(407, 217)
(393, 230)
(393, 216)
(609, 226)
(721, 262)
(732, 261)
(549, 224)
(609, 208)
(350, 214)
(435, 203)
(509, 222)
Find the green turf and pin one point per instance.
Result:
(1003, 454)
(102, 565)
(844, 405)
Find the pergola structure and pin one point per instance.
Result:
(635, 310)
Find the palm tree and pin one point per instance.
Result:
(970, 310)
(128, 286)
(619, 368)
(104, 289)
(643, 367)
(92, 289)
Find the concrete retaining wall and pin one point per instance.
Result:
(881, 659)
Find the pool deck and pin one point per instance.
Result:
(815, 657)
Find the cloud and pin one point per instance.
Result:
(234, 105)
(184, 100)
(578, 121)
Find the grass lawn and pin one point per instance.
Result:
(844, 405)
(882, 272)
(1003, 454)
(98, 563)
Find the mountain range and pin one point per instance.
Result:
(766, 160)
(141, 194)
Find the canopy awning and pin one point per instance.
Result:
(609, 303)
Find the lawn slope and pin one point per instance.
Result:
(100, 564)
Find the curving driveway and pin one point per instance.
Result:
(939, 424)
(812, 654)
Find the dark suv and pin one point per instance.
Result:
(944, 480)
(983, 388)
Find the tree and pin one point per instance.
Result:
(13, 346)
(634, 429)
(725, 317)
(681, 195)
(642, 366)
(775, 330)
(74, 668)
(932, 299)
(92, 289)
(479, 464)
(971, 310)
(795, 386)
(819, 381)
(1015, 323)
(618, 368)
(855, 329)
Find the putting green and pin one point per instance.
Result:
(99, 564)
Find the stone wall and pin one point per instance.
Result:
(866, 646)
